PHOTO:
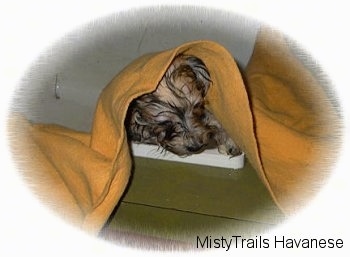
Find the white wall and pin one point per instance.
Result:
(85, 60)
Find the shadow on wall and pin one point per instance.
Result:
(83, 62)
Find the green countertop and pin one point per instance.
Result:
(177, 201)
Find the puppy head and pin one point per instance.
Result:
(180, 130)
(186, 82)
(174, 116)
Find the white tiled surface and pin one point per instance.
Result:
(209, 157)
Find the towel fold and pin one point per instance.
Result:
(279, 118)
(296, 120)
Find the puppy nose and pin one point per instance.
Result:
(194, 148)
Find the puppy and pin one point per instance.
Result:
(174, 116)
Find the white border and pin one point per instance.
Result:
(28, 27)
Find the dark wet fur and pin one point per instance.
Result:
(174, 116)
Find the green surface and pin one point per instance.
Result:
(178, 201)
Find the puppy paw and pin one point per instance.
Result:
(229, 148)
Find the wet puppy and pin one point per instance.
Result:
(174, 116)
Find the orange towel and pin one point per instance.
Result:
(82, 176)
(296, 119)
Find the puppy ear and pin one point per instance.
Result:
(138, 118)
(201, 72)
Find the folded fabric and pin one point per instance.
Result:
(83, 175)
(297, 123)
